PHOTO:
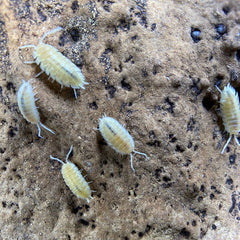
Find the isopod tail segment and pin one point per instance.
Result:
(56, 65)
(131, 158)
(27, 107)
(73, 178)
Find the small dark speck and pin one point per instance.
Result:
(194, 223)
(214, 227)
(226, 10)
(153, 27)
(196, 35)
(125, 85)
(229, 181)
(74, 34)
(212, 196)
(221, 29)
(93, 105)
(75, 6)
(134, 37)
(140, 234)
(84, 222)
(232, 159)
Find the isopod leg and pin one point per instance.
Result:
(131, 160)
(145, 155)
(228, 141)
(75, 94)
(70, 150)
(46, 128)
(39, 74)
(39, 131)
(236, 140)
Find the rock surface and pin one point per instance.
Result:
(153, 65)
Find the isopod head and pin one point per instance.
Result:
(74, 179)
(117, 137)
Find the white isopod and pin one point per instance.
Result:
(26, 104)
(74, 179)
(230, 111)
(56, 65)
(118, 137)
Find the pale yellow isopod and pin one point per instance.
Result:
(118, 137)
(230, 111)
(74, 179)
(27, 107)
(56, 65)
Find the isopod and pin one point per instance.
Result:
(118, 137)
(230, 111)
(74, 179)
(27, 107)
(56, 65)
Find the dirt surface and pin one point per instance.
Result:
(152, 65)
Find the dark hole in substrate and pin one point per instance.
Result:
(154, 143)
(153, 27)
(75, 6)
(233, 204)
(208, 102)
(11, 86)
(238, 55)
(229, 181)
(111, 90)
(185, 233)
(232, 159)
(140, 234)
(125, 85)
(84, 222)
(74, 34)
(172, 138)
(11, 131)
(166, 179)
(93, 105)
(226, 9)
(221, 29)
(196, 35)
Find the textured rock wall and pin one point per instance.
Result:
(153, 65)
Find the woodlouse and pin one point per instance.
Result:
(118, 137)
(56, 65)
(26, 104)
(74, 179)
(230, 111)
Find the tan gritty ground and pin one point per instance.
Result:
(148, 67)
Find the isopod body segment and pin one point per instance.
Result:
(56, 65)
(118, 137)
(74, 179)
(230, 111)
(27, 107)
